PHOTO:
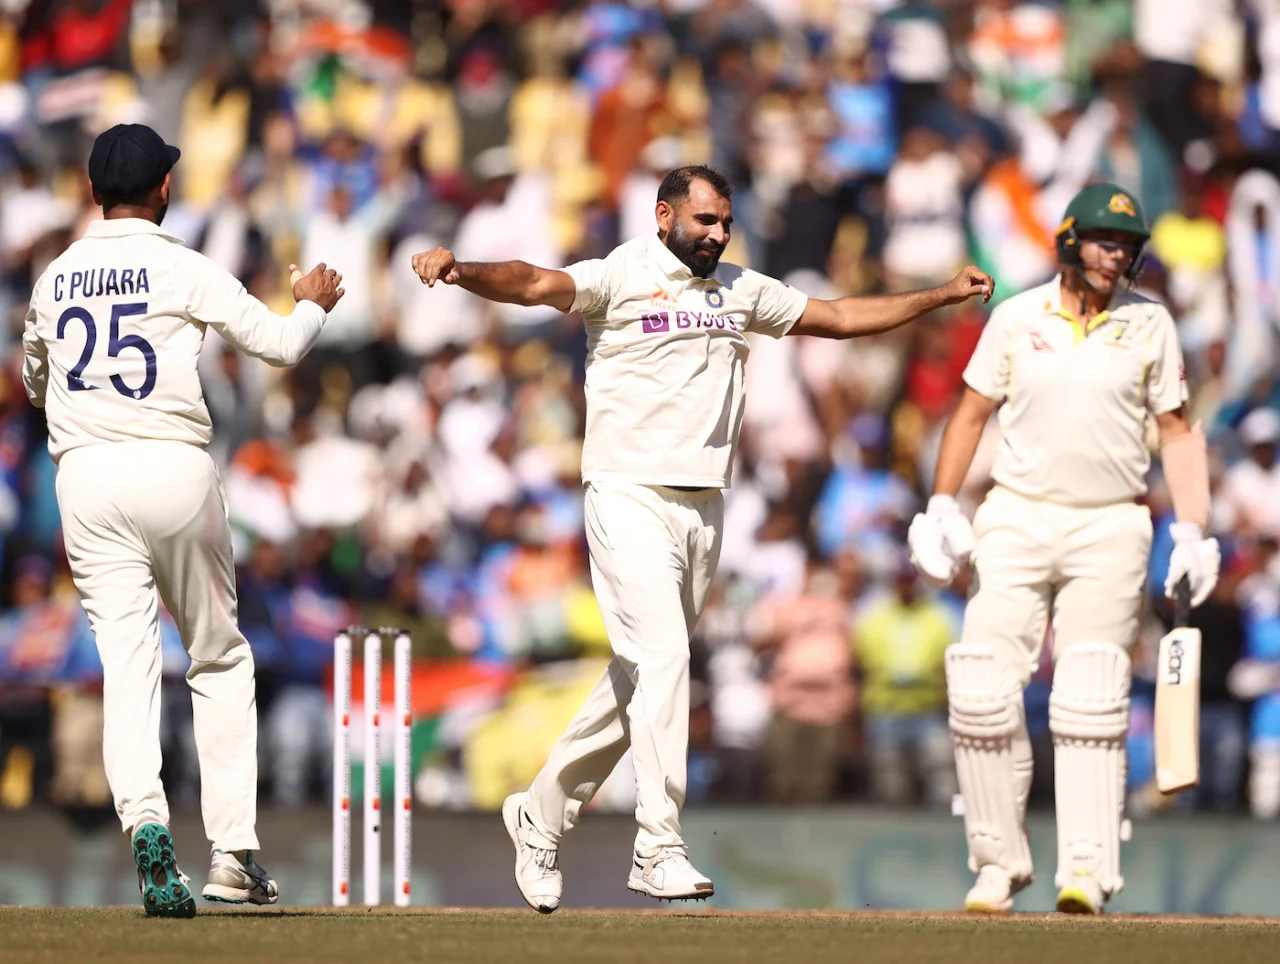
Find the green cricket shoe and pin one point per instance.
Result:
(166, 891)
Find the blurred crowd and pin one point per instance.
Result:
(421, 467)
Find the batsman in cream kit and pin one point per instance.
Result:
(667, 326)
(112, 338)
(1077, 367)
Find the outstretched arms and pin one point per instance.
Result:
(854, 317)
(512, 282)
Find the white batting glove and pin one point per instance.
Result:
(940, 540)
(1195, 557)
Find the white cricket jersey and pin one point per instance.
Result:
(114, 332)
(666, 352)
(1075, 406)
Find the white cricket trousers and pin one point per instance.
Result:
(1083, 566)
(653, 556)
(147, 517)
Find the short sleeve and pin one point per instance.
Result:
(778, 306)
(1166, 374)
(595, 281)
(988, 370)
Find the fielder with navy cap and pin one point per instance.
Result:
(112, 338)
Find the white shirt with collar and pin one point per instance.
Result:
(114, 332)
(1076, 402)
(666, 354)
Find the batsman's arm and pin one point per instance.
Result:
(855, 317)
(960, 441)
(1185, 457)
(510, 282)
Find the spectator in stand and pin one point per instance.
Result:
(511, 221)
(298, 727)
(1258, 677)
(811, 685)
(898, 645)
(1250, 496)
(341, 232)
(863, 504)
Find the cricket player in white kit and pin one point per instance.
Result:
(1076, 367)
(667, 326)
(112, 337)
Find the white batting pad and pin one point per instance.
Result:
(993, 757)
(1089, 717)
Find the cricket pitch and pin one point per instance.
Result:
(463, 936)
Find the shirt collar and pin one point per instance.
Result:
(671, 266)
(1053, 306)
(123, 227)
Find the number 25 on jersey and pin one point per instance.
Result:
(116, 343)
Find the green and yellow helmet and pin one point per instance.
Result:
(1101, 207)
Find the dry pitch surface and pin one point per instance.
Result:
(452, 936)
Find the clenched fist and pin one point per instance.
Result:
(436, 265)
(969, 282)
(320, 285)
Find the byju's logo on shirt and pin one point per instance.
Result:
(661, 321)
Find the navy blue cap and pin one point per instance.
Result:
(129, 159)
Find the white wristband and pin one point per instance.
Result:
(941, 506)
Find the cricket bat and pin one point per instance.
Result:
(1177, 726)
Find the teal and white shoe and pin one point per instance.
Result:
(166, 890)
(233, 880)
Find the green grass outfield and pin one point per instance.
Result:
(452, 936)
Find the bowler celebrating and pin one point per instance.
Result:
(667, 326)
(111, 343)
(1076, 367)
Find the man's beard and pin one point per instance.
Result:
(164, 209)
(700, 257)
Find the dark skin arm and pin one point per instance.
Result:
(855, 317)
(510, 282)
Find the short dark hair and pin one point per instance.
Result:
(139, 199)
(675, 186)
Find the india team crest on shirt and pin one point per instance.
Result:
(715, 298)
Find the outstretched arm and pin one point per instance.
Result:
(512, 282)
(854, 317)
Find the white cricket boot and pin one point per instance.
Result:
(236, 881)
(993, 891)
(537, 858)
(1083, 895)
(668, 875)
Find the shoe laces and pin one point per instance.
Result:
(548, 861)
(665, 853)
